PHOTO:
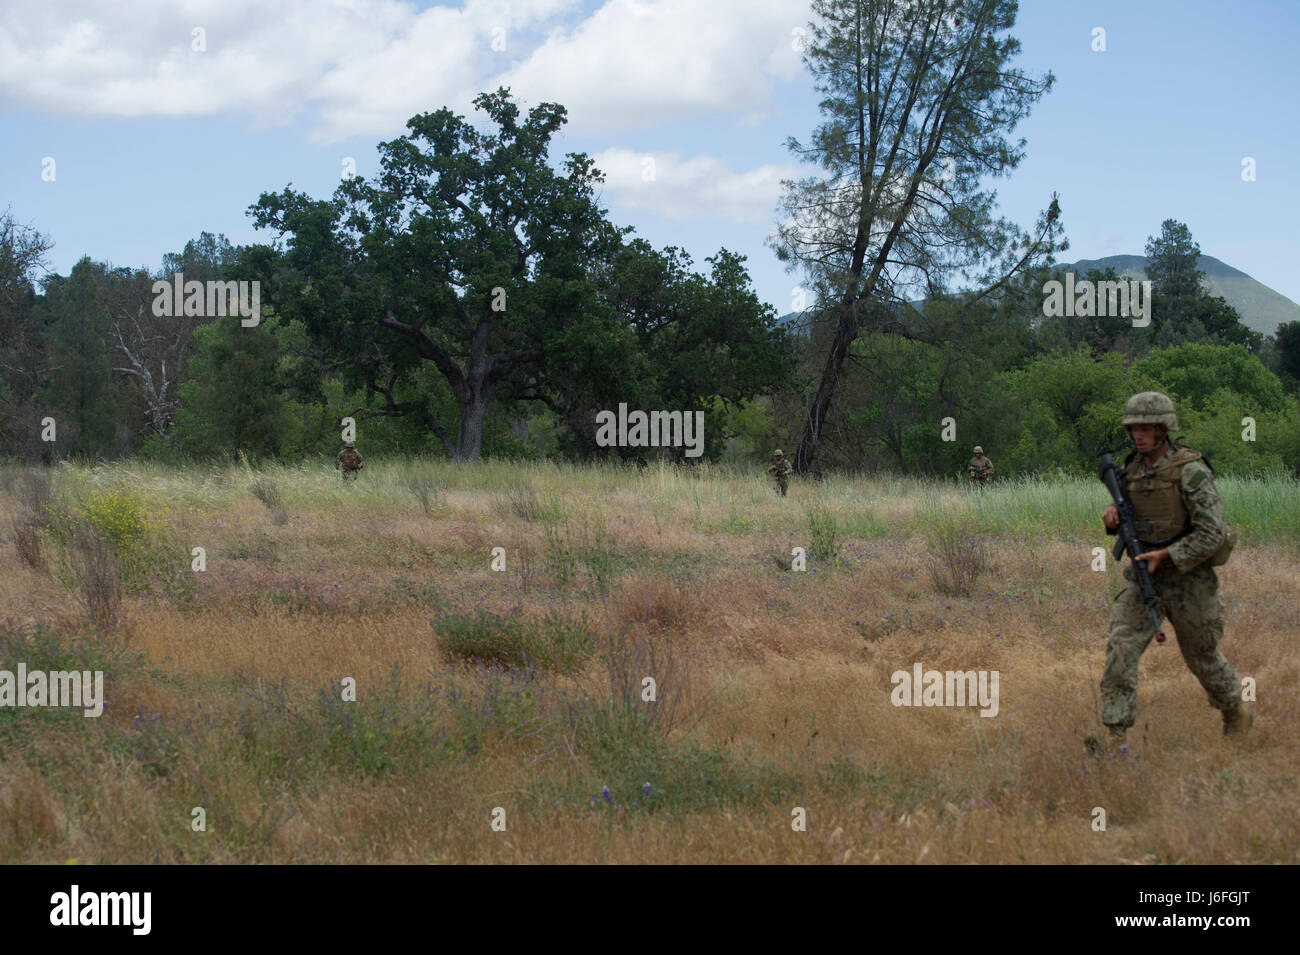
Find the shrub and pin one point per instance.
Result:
(27, 541)
(119, 517)
(957, 554)
(99, 578)
(526, 504)
(266, 491)
(556, 643)
(37, 492)
(631, 655)
(428, 493)
(659, 604)
(822, 531)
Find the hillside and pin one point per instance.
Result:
(1261, 308)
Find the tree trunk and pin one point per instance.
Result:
(473, 413)
(846, 331)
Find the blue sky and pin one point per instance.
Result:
(154, 142)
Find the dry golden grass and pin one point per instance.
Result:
(228, 697)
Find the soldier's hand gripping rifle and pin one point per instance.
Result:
(1128, 538)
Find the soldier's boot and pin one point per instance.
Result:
(1237, 721)
(1099, 746)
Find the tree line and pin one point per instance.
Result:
(472, 298)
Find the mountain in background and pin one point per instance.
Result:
(1261, 309)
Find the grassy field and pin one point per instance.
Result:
(517, 695)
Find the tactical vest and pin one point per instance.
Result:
(1157, 497)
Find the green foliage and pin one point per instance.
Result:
(119, 515)
(556, 644)
(139, 546)
(822, 532)
(77, 392)
(580, 541)
(234, 400)
(1263, 507)
(1219, 433)
(623, 759)
(1287, 339)
(861, 521)
(43, 648)
(1193, 375)
(1183, 311)
(748, 427)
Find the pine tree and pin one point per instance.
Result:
(77, 390)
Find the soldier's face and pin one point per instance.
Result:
(1146, 436)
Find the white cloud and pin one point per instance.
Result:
(643, 62)
(699, 186)
(363, 67)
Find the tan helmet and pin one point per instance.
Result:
(778, 453)
(1151, 407)
(978, 449)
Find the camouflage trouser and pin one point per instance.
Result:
(782, 483)
(350, 474)
(1191, 602)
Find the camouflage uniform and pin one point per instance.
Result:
(349, 459)
(780, 470)
(1186, 583)
(980, 467)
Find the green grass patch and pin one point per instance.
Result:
(557, 644)
(822, 533)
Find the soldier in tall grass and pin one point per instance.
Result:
(980, 468)
(780, 471)
(349, 460)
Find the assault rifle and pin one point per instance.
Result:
(1127, 535)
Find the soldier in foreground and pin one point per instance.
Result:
(1179, 518)
(980, 468)
(349, 460)
(780, 470)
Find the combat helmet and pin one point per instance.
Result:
(778, 453)
(1151, 407)
(978, 449)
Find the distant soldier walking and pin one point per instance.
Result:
(780, 470)
(980, 468)
(1179, 517)
(349, 460)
